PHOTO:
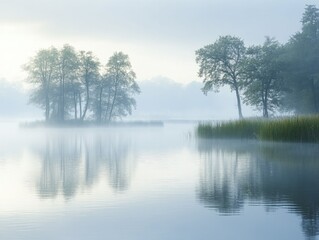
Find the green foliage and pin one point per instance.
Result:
(302, 61)
(116, 89)
(295, 129)
(272, 76)
(68, 85)
(262, 84)
(42, 70)
(221, 63)
(68, 66)
(89, 75)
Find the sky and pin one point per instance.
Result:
(160, 37)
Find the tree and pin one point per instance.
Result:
(89, 73)
(302, 73)
(262, 82)
(68, 66)
(64, 79)
(101, 97)
(42, 74)
(221, 63)
(121, 86)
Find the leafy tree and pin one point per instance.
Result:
(101, 97)
(262, 82)
(62, 80)
(221, 63)
(41, 71)
(68, 66)
(89, 73)
(302, 72)
(121, 86)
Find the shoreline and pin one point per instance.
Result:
(88, 124)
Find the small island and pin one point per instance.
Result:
(72, 90)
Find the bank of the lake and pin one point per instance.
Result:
(85, 124)
(293, 129)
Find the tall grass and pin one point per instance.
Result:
(294, 129)
(231, 129)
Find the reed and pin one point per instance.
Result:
(293, 129)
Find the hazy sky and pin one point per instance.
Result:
(159, 36)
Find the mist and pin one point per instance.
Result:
(159, 120)
(160, 99)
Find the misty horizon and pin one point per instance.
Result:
(160, 99)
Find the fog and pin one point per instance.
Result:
(14, 103)
(100, 105)
(160, 99)
(160, 37)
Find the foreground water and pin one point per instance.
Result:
(154, 183)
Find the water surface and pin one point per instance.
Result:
(154, 183)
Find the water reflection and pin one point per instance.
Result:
(285, 175)
(73, 161)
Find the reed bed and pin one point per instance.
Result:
(294, 129)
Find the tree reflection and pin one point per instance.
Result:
(59, 167)
(218, 188)
(73, 161)
(233, 172)
(117, 158)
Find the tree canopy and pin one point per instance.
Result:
(302, 73)
(262, 84)
(116, 89)
(221, 63)
(69, 85)
(271, 76)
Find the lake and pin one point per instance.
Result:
(154, 183)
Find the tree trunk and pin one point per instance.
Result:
(100, 106)
(75, 106)
(238, 103)
(59, 115)
(115, 95)
(47, 107)
(265, 104)
(112, 106)
(80, 102)
(315, 97)
(87, 101)
(63, 100)
(108, 105)
(265, 109)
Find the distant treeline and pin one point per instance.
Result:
(272, 76)
(69, 85)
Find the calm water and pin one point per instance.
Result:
(154, 183)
